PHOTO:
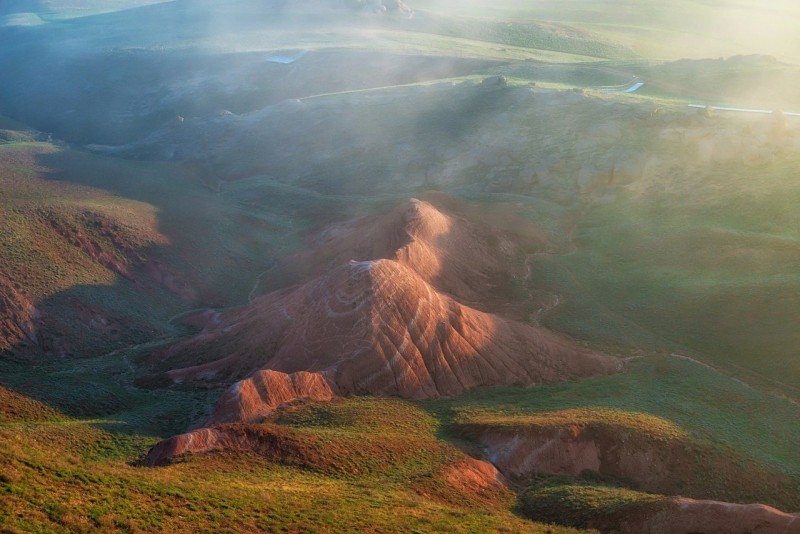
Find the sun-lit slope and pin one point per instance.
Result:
(339, 467)
(525, 33)
(474, 262)
(17, 408)
(655, 29)
(376, 327)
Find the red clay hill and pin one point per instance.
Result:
(467, 260)
(376, 327)
(379, 327)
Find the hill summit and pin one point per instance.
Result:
(377, 327)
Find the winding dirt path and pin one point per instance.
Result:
(252, 294)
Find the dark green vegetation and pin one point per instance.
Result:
(665, 231)
(582, 504)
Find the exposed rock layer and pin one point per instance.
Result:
(378, 327)
(256, 397)
(264, 440)
(573, 449)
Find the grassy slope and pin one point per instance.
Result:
(703, 262)
(56, 200)
(31, 205)
(64, 474)
(582, 504)
(66, 249)
(387, 454)
(517, 33)
(664, 397)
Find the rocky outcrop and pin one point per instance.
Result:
(475, 478)
(570, 450)
(270, 442)
(381, 326)
(256, 397)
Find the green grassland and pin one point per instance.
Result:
(702, 262)
(362, 462)
(81, 228)
(351, 471)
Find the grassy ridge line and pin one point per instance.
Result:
(642, 423)
(660, 30)
(524, 34)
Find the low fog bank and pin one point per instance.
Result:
(661, 30)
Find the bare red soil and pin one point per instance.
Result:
(476, 478)
(652, 463)
(382, 326)
(18, 317)
(377, 328)
(464, 259)
(269, 441)
(254, 398)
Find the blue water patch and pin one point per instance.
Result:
(286, 60)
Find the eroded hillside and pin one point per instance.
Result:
(376, 266)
